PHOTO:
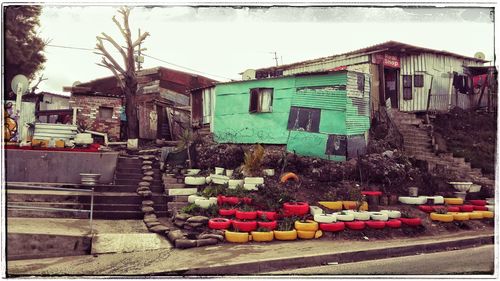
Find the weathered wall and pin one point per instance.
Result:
(58, 166)
(88, 111)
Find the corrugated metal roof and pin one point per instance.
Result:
(393, 46)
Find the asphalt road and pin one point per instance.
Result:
(478, 260)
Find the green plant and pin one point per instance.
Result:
(286, 224)
(252, 164)
(213, 190)
(191, 209)
(359, 203)
(239, 191)
(212, 211)
(262, 229)
(246, 208)
(184, 142)
(355, 193)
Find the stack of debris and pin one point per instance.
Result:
(193, 232)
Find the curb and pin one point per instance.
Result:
(262, 266)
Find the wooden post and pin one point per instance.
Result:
(482, 92)
(427, 121)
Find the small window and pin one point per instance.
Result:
(261, 100)
(361, 82)
(304, 119)
(407, 89)
(105, 112)
(418, 80)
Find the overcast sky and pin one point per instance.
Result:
(220, 42)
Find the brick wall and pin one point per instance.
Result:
(88, 110)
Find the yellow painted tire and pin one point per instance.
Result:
(454, 201)
(475, 216)
(309, 225)
(306, 234)
(285, 235)
(349, 205)
(441, 217)
(236, 237)
(332, 205)
(364, 207)
(262, 236)
(459, 216)
(486, 214)
(318, 234)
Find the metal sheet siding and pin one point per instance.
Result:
(328, 64)
(335, 79)
(357, 105)
(332, 100)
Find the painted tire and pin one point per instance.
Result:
(480, 208)
(478, 202)
(375, 224)
(490, 208)
(392, 214)
(475, 215)
(486, 214)
(349, 205)
(268, 215)
(394, 223)
(258, 236)
(192, 198)
(346, 217)
(297, 208)
(437, 199)
(426, 208)
(377, 216)
(246, 200)
(306, 234)
(309, 225)
(459, 216)
(236, 237)
(411, 221)
(420, 200)
(371, 193)
(227, 212)
(219, 223)
(466, 208)
(289, 176)
(441, 217)
(453, 209)
(195, 180)
(361, 216)
(231, 200)
(355, 225)
(204, 203)
(454, 201)
(270, 225)
(285, 235)
(315, 210)
(245, 225)
(325, 218)
(332, 205)
(242, 215)
(332, 227)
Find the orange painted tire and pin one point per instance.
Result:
(289, 176)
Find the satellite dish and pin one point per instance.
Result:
(20, 81)
(76, 83)
(479, 55)
(248, 74)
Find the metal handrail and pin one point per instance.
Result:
(91, 211)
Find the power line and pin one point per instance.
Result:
(164, 61)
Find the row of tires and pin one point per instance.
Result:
(383, 215)
(461, 216)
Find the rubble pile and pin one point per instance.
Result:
(193, 232)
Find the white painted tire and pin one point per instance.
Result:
(195, 180)
(378, 216)
(392, 214)
(315, 210)
(250, 186)
(420, 200)
(213, 200)
(490, 201)
(360, 216)
(254, 180)
(437, 199)
(491, 208)
(268, 172)
(346, 217)
(204, 203)
(325, 218)
(219, 179)
(219, 170)
(232, 184)
(194, 197)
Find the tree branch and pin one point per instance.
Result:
(100, 47)
(107, 65)
(40, 79)
(140, 39)
(116, 45)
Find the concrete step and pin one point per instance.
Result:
(135, 177)
(126, 188)
(126, 215)
(155, 165)
(173, 207)
(137, 170)
(136, 182)
(175, 185)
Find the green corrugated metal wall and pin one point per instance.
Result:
(339, 113)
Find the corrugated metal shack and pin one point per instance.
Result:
(323, 114)
(402, 72)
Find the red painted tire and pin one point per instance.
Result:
(375, 224)
(220, 199)
(411, 221)
(394, 223)
(478, 202)
(219, 223)
(355, 225)
(371, 193)
(480, 208)
(231, 200)
(296, 208)
(426, 208)
(270, 225)
(453, 209)
(246, 200)
(332, 227)
(466, 208)
(241, 215)
(227, 212)
(245, 225)
(268, 215)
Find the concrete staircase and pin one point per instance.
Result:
(419, 143)
(177, 192)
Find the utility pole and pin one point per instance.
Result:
(276, 58)
(139, 58)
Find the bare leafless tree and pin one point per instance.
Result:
(125, 75)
